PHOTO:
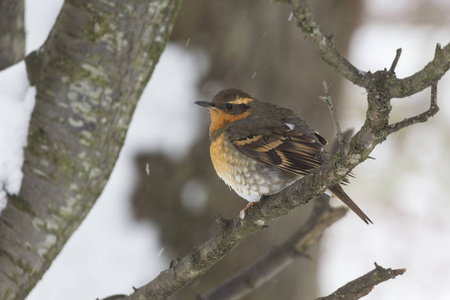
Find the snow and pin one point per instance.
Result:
(17, 98)
(16, 105)
(39, 19)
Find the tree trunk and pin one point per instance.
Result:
(89, 75)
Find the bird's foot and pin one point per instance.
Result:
(242, 212)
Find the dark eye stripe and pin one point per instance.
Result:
(235, 109)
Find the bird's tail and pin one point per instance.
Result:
(338, 192)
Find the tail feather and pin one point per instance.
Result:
(338, 192)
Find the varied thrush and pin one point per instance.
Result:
(259, 148)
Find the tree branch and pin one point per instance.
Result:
(396, 59)
(363, 285)
(265, 268)
(398, 88)
(421, 118)
(430, 74)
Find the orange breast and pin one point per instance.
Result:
(222, 159)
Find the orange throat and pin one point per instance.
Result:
(220, 118)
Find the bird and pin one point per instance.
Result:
(258, 148)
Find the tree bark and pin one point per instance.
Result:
(89, 75)
(12, 32)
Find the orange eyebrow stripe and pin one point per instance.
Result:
(241, 101)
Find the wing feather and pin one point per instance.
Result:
(287, 149)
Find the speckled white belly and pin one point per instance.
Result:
(249, 178)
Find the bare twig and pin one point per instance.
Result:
(363, 285)
(395, 62)
(430, 74)
(327, 100)
(278, 258)
(420, 118)
(115, 297)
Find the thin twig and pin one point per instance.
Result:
(420, 118)
(265, 268)
(363, 285)
(329, 103)
(395, 62)
(430, 74)
(115, 297)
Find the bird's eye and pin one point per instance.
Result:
(229, 106)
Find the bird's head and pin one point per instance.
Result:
(228, 106)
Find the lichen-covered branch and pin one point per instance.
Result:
(232, 233)
(89, 76)
(266, 267)
(363, 285)
(398, 88)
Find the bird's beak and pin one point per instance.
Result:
(203, 103)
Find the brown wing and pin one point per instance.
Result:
(290, 150)
(287, 149)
